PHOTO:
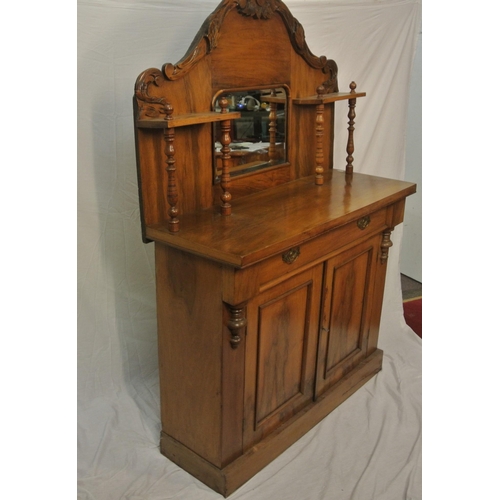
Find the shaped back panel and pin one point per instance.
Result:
(241, 45)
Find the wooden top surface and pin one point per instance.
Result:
(272, 221)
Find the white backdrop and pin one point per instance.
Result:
(370, 447)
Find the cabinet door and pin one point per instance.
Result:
(281, 348)
(345, 313)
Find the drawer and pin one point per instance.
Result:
(313, 251)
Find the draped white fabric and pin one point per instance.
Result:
(369, 447)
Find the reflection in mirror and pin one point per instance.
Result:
(258, 137)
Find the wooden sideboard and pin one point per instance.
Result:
(270, 279)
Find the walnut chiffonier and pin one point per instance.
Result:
(270, 264)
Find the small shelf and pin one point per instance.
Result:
(277, 100)
(187, 119)
(327, 98)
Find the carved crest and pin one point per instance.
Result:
(207, 38)
(259, 9)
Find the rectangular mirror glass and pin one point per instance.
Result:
(258, 138)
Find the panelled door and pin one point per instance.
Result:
(281, 349)
(345, 313)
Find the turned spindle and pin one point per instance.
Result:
(350, 141)
(172, 194)
(385, 245)
(236, 324)
(225, 140)
(320, 120)
(273, 126)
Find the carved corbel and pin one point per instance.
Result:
(385, 245)
(236, 324)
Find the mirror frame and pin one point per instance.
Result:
(262, 166)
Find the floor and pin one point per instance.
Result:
(411, 288)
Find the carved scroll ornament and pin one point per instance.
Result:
(207, 38)
(149, 106)
(204, 42)
(298, 40)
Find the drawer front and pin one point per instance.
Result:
(275, 268)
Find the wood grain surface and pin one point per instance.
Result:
(270, 221)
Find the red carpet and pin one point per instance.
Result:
(413, 314)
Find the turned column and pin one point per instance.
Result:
(225, 181)
(172, 194)
(350, 141)
(385, 245)
(320, 120)
(236, 324)
(273, 125)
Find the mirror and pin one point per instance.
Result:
(258, 138)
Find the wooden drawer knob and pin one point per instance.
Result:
(363, 222)
(291, 255)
